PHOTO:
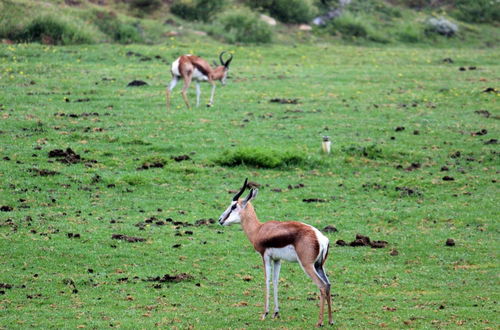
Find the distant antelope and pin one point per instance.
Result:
(191, 67)
(276, 241)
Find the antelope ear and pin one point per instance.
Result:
(253, 193)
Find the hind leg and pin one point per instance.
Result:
(311, 271)
(170, 87)
(321, 272)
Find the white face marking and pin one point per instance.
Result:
(224, 78)
(231, 215)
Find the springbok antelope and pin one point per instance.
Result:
(191, 67)
(276, 241)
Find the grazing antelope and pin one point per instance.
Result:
(191, 67)
(276, 241)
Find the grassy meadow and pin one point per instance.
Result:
(414, 162)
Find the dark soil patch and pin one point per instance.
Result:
(491, 141)
(490, 90)
(75, 115)
(479, 133)
(374, 186)
(362, 240)
(180, 158)
(136, 83)
(450, 242)
(413, 166)
(448, 178)
(68, 156)
(42, 172)
(6, 208)
(330, 229)
(447, 60)
(297, 186)
(171, 278)
(444, 168)
(407, 191)
(394, 252)
(152, 164)
(484, 113)
(83, 100)
(130, 239)
(73, 235)
(399, 129)
(314, 200)
(204, 222)
(284, 101)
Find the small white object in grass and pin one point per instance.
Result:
(326, 144)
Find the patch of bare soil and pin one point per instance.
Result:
(152, 164)
(68, 157)
(329, 229)
(284, 101)
(407, 191)
(130, 239)
(314, 200)
(450, 242)
(362, 240)
(204, 222)
(170, 278)
(180, 158)
(42, 172)
(484, 113)
(6, 208)
(136, 83)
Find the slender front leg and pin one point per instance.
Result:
(212, 94)
(267, 275)
(276, 279)
(187, 82)
(170, 88)
(198, 93)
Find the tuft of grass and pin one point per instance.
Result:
(262, 158)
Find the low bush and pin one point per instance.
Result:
(351, 27)
(262, 158)
(197, 10)
(121, 32)
(51, 30)
(242, 26)
(478, 11)
(146, 6)
(287, 11)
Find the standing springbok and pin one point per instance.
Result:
(276, 241)
(191, 67)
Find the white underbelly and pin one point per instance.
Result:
(199, 76)
(287, 253)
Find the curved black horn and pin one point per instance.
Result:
(226, 64)
(237, 196)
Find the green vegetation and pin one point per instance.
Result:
(414, 162)
(231, 21)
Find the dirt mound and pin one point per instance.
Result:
(284, 101)
(170, 278)
(68, 156)
(130, 239)
(362, 240)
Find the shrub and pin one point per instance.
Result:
(242, 26)
(121, 32)
(50, 30)
(197, 10)
(350, 27)
(145, 5)
(410, 33)
(261, 158)
(287, 11)
(478, 11)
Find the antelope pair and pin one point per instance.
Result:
(191, 67)
(276, 241)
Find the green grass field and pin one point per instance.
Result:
(384, 109)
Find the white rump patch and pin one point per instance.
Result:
(175, 68)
